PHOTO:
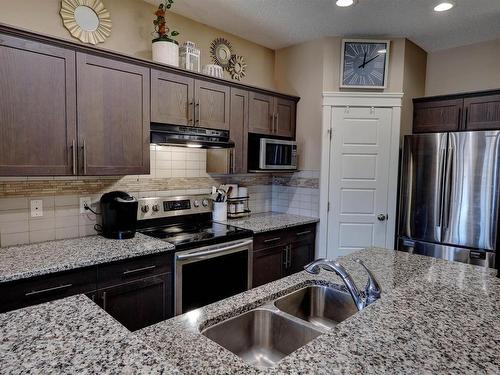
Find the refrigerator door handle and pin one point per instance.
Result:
(448, 187)
(442, 176)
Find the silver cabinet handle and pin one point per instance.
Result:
(104, 300)
(272, 239)
(272, 123)
(197, 118)
(277, 123)
(231, 161)
(84, 149)
(73, 155)
(303, 233)
(53, 289)
(190, 109)
(148, 268)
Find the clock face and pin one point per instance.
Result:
(364, 64)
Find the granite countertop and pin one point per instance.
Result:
(73, 336)
(269, 221)
(434, 317)
(18, 262)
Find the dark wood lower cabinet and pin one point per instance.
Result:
(281, 253)
(139, 304)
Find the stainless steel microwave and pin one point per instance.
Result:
(267, 154)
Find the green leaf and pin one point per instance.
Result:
(174, 33)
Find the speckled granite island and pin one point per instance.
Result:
(19, 262)
(73, 336)
(434, 317)
(269, 221)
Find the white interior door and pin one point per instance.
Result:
(359, 179)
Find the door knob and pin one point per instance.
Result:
(382, 217)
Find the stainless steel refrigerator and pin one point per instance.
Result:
(449, 196)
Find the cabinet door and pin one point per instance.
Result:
(212, 105)
(37, 109)
(140, 303)
(437, 116)
(285, 117)
(301, 249)
(261, 113)
(268, 265)
(113, 116)
(172, 98)
(482, 113)
(238, 128)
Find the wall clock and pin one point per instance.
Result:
(364, 63)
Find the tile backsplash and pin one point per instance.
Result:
(174, 171)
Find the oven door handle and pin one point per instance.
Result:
(219, 250)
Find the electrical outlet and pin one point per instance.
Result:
(83, 202)
(36, 208)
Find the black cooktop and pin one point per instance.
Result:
(196, 234)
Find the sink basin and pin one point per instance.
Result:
(261, 337)
(322, 306)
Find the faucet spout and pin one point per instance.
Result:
(333, 266)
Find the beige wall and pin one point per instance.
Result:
(468, 68)
(415, 59)
(132, 32)
(299, 70)
(321, 59)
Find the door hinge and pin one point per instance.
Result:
(330, 133)
(328, 207)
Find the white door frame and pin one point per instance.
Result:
(358, 99)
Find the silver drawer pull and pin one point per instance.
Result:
(128, 272)
(272, 239)
(41, 291)
(303, 233)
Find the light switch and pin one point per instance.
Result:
(36, 208)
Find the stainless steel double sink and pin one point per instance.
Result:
(265, 335)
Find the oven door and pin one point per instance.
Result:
(277, 154)
(212, 273)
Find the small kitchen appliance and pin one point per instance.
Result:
(213, 261)
(119, 215)
(271, 154)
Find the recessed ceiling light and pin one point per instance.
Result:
(444, 6)
(344, 3)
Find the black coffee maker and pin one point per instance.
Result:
(119, 215)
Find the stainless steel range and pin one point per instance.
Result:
(213, 261)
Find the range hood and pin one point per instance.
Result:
(189, 136)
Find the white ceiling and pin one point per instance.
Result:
(280, 23)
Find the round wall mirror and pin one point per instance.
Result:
(87, 20)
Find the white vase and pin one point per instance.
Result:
(166, 52)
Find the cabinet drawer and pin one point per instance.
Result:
(303, 233)
(270, 239)
(41, 289)
(134, 269)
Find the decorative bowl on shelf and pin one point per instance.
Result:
(213, 70)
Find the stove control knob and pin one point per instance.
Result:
(145, 209)
(156, 208)
(196, 203)
(205, 202)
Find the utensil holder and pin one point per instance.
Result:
(220, 211)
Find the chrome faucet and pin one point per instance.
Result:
(372, 290)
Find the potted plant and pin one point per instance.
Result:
(165, 48)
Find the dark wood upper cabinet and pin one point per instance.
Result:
(285, 117)
(437, 116)
(172, 98)
(211, 105)
(457, 112)
(238, 128)
(261, 113)
(113, 116)
(482, 113)
(37, 108)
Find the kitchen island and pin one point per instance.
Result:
(434, 317)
